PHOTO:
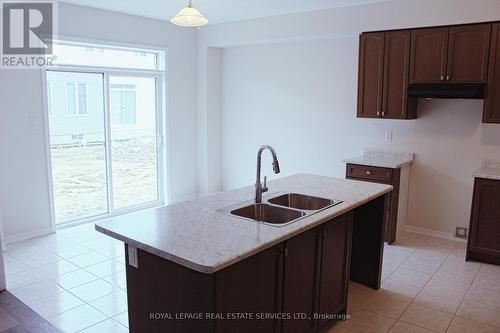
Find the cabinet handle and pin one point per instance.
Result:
(448, 77)
(383, 113)
(442, 77)
(378, 113)
(368, 172)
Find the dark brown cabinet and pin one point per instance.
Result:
(383, 76)
(429, 52)
(384, 176)
(484, 235)
(395, 102)
(398, 66)
(370, 75)
(335, 254)
(491, 112)
(299, 281)
(468, 51)
(251, 286)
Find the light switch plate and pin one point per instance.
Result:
(132, 257)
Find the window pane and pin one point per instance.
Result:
(77, 148)
(70, 98)
(49, 97)
(133, 142)
(82, 98)
(69, 54)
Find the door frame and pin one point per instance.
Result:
(162, 124)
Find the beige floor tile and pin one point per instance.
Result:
(23, 279)
(107, 326)
(77, 319)
(93, 290)
(112, 304)
(362, 321)
(426, 317)
(384, 305)
(88, 259)
(55, 304)
(118, 280)
(358, 294)
(105, 268)
(461, 325)
(403, 290)
(74, 279)
(438, 300)
(55, 269)
(410, 276)
(32, 292)
(490, 297)
(402, 327)
(447, 287)
(122, 318)
(479, 312)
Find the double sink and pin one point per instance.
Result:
(280, 209)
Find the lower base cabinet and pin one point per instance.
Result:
(484, 230)
(294, 287)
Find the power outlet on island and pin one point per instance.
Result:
(388, 136)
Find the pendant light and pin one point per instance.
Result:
(189, 17)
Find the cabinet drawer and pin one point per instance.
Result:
(369, 172)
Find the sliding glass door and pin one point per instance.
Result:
(104, 143)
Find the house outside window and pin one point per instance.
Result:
(123, 104)
(76, 98)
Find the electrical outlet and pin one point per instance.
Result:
(388, 136)
(461, 232)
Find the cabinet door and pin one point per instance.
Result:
(299, 281)
(396, 70)
(491, 112)
(429, 49)
(484, 238)
(468, 53)
(250, 286)
(370, 76)
(335, 256)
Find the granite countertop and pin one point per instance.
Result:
(490, 169)
(381, 158)
(194, 234)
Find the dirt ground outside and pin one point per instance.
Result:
(79, 177)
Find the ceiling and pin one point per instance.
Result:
(218, 11)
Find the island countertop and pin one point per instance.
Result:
(194, 234)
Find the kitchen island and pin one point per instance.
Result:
(193, 268)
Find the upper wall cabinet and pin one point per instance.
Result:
(455, 55)
(468, 51)
(370, 75)
(383, 75)
(428, 56)
(491, 112)
(399, 66)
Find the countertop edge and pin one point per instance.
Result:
(380, 165)
(213, 269)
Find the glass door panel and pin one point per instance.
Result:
(134, 160)
(77, 144)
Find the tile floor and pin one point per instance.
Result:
(76, 280)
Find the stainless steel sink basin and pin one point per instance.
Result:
(268, 213)
(301, 201)
(280, 208)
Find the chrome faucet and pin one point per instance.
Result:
(259, 187)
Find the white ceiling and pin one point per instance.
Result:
(218, 11)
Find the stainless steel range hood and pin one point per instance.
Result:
(469, 91)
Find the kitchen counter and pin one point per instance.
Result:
(490, 169)
(195, 235)
(381, 158)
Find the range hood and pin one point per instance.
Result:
(448, 90)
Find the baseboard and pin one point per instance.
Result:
(27, 235)
(434, 233)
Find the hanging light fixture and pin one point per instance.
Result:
(189, 17)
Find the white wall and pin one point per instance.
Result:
(23, 172)
(291, 82)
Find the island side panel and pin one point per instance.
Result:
(160, 292)
(368, 243)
